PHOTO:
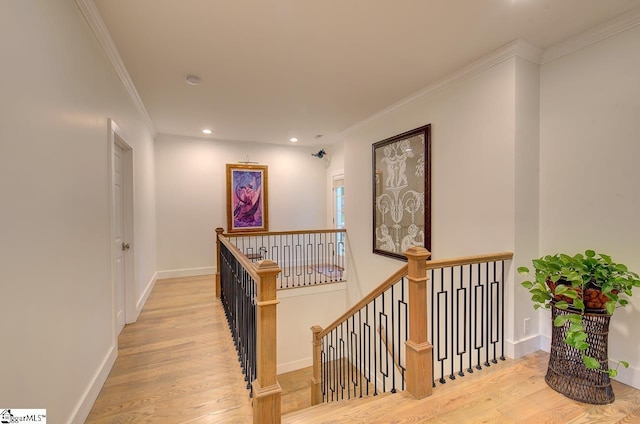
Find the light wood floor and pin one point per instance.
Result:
(177, 364)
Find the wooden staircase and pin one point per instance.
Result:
(352, 410)
(514, 392)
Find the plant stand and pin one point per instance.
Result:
(567, 374)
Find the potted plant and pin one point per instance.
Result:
(580, 284)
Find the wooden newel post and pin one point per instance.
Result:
(219, 232)
(419, 374)
(316, 378)
(266, 389)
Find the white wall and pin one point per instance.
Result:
(472, 129)
(298, 311)
(589, 150)
(58, 89)
(191, 195)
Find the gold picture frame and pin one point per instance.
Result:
(247, 198)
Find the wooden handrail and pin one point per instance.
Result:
(280, 233)
(395, 277)
(468, 260)
(418, 374)
(241, 257)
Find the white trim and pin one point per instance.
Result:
(629, 376)
(96, 23)
(523, 347)
(517, 48)
(545, 343)
(294, 365)
(143, 297)
(187, 272)
(591, 36)
(116, 136)
(88, 398)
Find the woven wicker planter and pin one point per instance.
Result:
(567, 374)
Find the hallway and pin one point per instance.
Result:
(177, 363)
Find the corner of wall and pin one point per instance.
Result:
(143, 297)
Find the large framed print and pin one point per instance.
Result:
(402, 193)
(247, 198)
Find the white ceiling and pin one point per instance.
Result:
(275, 69)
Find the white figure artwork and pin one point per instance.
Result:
(385, 239)
(395, 158)
(415, 237)
(397, 199)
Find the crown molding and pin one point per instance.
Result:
(516, 48)
(591, 36)
(96, 23)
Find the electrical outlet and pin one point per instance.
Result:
(526, 326)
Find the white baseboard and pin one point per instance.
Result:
(144, 296)
(545, 343)
(187, 272)
(295, 365)
(82, 409)
(522, 347)
(629, 376)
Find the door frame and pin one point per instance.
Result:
(116, 136)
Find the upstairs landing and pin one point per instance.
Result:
(177, 364)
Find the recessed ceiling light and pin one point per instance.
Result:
(293, 139)
(193, 79)
(206, 131)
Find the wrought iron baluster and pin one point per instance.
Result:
(393, 332)
(488, 317)
(502, 312)
(452, 321)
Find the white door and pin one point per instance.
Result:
(119, 244)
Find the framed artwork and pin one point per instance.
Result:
(402, 193)
(247, 198)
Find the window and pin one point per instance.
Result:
(338, 210)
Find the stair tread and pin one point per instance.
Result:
(344, 408)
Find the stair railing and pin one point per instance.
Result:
(350, 358)
(466, 298)
(383, 343)
(307, 257)
(247, 291)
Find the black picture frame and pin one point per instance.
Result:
(402, 192)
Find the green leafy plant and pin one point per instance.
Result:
(580, 284)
